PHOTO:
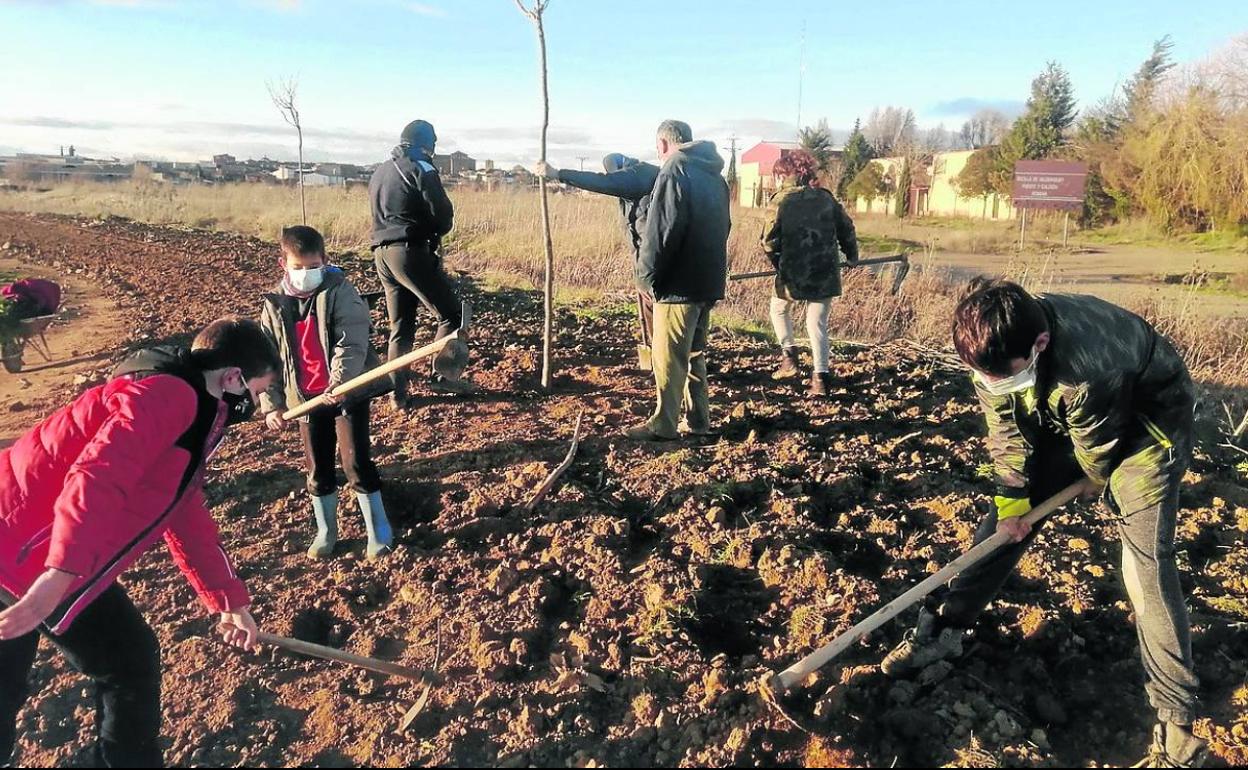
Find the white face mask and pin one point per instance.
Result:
(1025, 379)
(306, 280)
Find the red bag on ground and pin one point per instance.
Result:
(35, 296)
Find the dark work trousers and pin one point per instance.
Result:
(347, 430)
(1143, 497)
(113, 646)
(412, 276)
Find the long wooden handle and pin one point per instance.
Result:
(314, 650)
(330, 653)
(815, 660)
(369, 377)
(859, 263)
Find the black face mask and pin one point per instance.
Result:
(242, 408)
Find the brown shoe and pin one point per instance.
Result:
(788, 365)
(642, 432)
(820, 384)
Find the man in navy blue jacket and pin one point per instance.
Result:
(411, 213)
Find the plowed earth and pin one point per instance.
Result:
(627, 620)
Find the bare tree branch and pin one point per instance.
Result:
(284, 94)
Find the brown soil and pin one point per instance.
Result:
(81, 341)
(627, 621)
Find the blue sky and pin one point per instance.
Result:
(183, 80)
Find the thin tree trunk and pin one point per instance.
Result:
(303, 205)
(548, 329)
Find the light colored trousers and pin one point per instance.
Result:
(679, 358)
(816, 326)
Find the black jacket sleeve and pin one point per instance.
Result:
(441, 213)
(628, 183)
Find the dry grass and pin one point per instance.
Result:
(497, 233)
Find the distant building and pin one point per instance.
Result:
(35, 167)
(453, 164)
(285, 173)
(933, 190)
(756, 178)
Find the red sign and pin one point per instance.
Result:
(1049, 184)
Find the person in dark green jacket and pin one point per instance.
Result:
(806, 237)
(631, 181)
(1074, 387)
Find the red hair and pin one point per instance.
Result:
(798, 164)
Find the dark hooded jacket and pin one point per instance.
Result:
(408, 201)
(626, 178)
(684, 245)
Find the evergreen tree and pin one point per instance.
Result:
(903, 190)
(1042, 129)
(817, 140)
(857, 156)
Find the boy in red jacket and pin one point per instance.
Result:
(90, 489)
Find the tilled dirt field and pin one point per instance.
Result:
(628, 619)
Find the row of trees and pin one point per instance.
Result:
(1170, 145)
(891, 131)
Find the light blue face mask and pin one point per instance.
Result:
(306, 280)
(1025, 379)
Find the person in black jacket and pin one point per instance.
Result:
(631, 181)
(411, 213)
(683, 264)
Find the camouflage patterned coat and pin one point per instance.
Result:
(805, 237)
(1115, 387)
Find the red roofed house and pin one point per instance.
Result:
(756, 180)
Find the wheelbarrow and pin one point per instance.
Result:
(29, 331)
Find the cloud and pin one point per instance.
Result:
(968, 105)
(554, 137)
(762, 128)
(424, 9)
(201, 128)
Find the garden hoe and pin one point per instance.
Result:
(773, 686)
(372, 375)
(451, 361)
(902, 260)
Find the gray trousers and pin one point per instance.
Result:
(1143, 495)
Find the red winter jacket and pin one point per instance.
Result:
(95, 485)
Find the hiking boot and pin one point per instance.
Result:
(788, 365)
(922, 646)
(446, 385)
(643, 358)
(642, 432)
(1175, 746)
(820, 384)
